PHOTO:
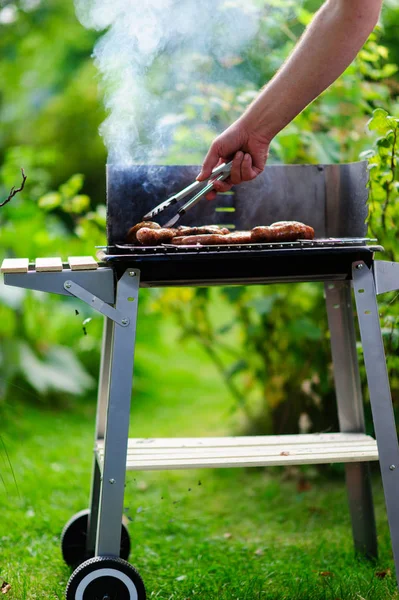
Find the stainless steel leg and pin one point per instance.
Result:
(350, 412)
(380, 395)
(102, 403)
(117, 423)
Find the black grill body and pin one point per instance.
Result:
(260, 263)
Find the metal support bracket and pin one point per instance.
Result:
(99, 282)
(99, 305)
(386, 276)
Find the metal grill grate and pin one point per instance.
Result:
(170, 249)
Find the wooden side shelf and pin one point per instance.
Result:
(48, 265)
(195, 453)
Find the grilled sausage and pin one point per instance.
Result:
(131, 237)
(283, 231)
(154, 237)
(202, 230)
(238, 237)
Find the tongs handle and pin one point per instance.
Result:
(205, 190)
(223, 169)
(197, 197)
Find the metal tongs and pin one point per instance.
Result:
(219, 174)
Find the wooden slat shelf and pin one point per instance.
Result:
(194, 453)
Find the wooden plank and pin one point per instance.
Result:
(82, 263)
(213, 463)
(15, 265)
(253, 451)
(284, 450)
(44, 265)
(240, 441)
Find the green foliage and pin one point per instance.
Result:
(384, 186)
(38, 353)
(50, 111)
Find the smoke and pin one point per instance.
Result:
(152, 55)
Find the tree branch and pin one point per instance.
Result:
(14, 191)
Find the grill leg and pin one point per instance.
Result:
(117, 422)
(350, 412)
(380, 395)
(102, 403)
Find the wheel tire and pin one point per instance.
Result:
(73, 540)
(105, 578)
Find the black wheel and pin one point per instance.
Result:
(73, 540)
(105, 578)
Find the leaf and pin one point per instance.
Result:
(304, 328)
(5, 588)
(380, 121)
(233, 293)
(50, 201)
(237, 367)
(226, 327)
(303, 485)
(77, 205)
(60, 370)
(385, 573)
(71, 187)
(367, 154)
(304, 16)
(388, 70)
(263, 305)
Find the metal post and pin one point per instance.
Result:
(350, 412)
(380, 395)
(105, 374)
(102, 403)
(117, 424)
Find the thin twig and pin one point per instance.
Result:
(390, 183)
(12, 470)
(14, 191)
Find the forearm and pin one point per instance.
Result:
(327, 47)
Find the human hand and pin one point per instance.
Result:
(249, 149)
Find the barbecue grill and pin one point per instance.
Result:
(330, 198)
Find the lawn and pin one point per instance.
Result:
(228, 534)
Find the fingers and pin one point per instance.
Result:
(243, 169)
(247, 171)
(235, 174)
(210, 162)
(219, 187)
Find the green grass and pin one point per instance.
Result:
(227, 534)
